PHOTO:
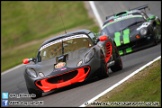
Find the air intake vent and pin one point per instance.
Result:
(121, 13)
(108, 51)
(63, 78)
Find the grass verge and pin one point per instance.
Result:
(143, 89)
(26, 24)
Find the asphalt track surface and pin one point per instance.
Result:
(76, 95)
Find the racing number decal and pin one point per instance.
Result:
(117, 38)
(126, 40)
(126, 36)
(117, 41)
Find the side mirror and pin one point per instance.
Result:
(103, 38)
(27, 60)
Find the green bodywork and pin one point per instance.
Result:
(121, 52)
(128, 50)
(126, 40)
(117, 38)
(126, 33)
(152, 17)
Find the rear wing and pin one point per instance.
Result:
(141, 7)
(137, 8)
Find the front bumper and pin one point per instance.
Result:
(66, 79)
(61, 78)
(135, 44)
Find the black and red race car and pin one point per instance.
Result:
(68, 59)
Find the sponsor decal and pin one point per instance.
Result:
(63, 69)
(64, 39)
(60, 65)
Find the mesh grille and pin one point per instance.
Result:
(63, 78)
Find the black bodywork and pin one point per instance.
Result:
(71, 65)
(133, 29)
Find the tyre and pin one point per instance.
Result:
(155, 40)
(157, 35)
(118, 65)
(36, 92)
(104, 72)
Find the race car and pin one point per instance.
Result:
(68, 59)
(133, 29)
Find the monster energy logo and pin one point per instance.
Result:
(126, 40)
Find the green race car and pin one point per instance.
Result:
(133, 29)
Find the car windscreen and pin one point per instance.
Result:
(64, 46)
(120, 24)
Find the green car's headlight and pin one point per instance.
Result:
(143, 31)
(41, 74)
(31, 72)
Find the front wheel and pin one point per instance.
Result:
(118, 65)
(157, 35)
(155, 40)
(104, 73)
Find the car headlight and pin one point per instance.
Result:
(79, 63)
(89, 56)
(41, 74)
(143, 31)
(31, 72)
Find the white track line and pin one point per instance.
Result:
(5, 72)
(118, 83)
(92, 4)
